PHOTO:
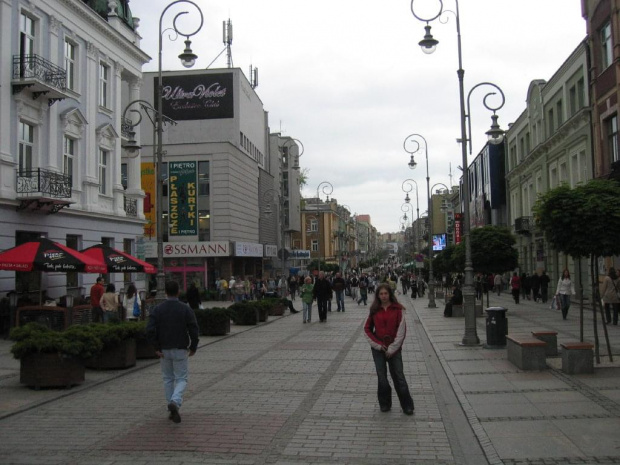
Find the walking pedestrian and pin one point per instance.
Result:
(131, 303)
(414, 288)
(565, 289)
(515, 286)
(498, 282)
(363, 285)
(109, 303)
(535, 282)
(338, 286)
(193, 297)
(544, 286)
(322, 292)
(610, 293)
(307, 295)
(385, 329)
(173, 331)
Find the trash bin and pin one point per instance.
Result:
(497, 326)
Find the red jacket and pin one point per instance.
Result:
(95, 294)
(387, 328)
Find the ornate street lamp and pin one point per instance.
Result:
(326, 188)
(289, 144)
(188, 58)
(269, 196)
(495, 135)
(410, 183)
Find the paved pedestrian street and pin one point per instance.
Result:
(291, 393)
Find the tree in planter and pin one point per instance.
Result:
(214, 321)
(119, 345)
(492, 251)
(583, 222)
(245, 313)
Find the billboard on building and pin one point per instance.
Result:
(439, 242)
(197, 96)
(182, 198)
(147, 175)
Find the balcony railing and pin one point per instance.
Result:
(27, 67)
(523, 225)
(44, 183)
(131, 207)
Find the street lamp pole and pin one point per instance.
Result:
(188, 58)
(268, 197)
(326, 188)
(409, 141)
(408, 183)
(496, 136)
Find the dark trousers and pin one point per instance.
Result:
(384, 390)
(564, 304)
(543, 294)
(363, 295)
(608, 308)
(322, 306)
(515, 295)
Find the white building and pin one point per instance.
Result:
(67, 72)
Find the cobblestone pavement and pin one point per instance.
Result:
(291, 393)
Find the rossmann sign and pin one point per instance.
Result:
(189, 249)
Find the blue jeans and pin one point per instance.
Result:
(307, 308)
(384, 390)
(107, 316)
(565, 304)
(174, 371)
(340, 300)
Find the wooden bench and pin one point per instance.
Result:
(577, 357)
(551, 338)
(526, 352)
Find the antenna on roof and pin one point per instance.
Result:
(253, 77)
(227, 34)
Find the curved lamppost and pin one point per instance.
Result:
(270, 196)
(410, 183)
(188, 58)
(495, 135)
(290, 143)
(412, 146)
(326, 188)
(343, 236)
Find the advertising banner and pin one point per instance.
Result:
(182, 200)
(197, 96)
(458, 227)
(147, 175)
(248, 249)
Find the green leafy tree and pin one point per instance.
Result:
(443, 262)
(583, 222)
(492, 251)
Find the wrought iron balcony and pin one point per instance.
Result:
(41, 76)
(131, 207)
(43, 190)
(523, 225)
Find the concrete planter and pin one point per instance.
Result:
(41, 370)
(119, 356)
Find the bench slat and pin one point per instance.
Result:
(577, 345)
(526, 341)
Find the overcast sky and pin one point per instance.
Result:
(348, 79)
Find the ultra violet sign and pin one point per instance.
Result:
(182, 207)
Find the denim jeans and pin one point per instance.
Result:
(340, 300)
(307, 311)
(107, 316)
(174, 371)
(565, 304)
(384, 390)
(363, 295)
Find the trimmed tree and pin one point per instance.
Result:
(583, 222)
(492, 251)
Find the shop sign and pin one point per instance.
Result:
(248, 249)
(182, 212)
(299, 254)
(458, 227)
(189, 249)
(271, 250)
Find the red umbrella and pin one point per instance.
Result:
(45, 255)
(117, 261)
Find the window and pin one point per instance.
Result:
(581, 95)
(70, 64)
(104, 82)
(203, 178)
(26, 35)
(204, 225)
(68, 157)
(314, 226)
(606, 46)
(553, 177)
(315, 245)
(124, 175)
(563, 172)
(611, 130)
(558, 108)
(26, 146)
(103, 171)
(551, 122)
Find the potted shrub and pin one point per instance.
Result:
(50, 358)
(275, 306)
(119, 345)
(144, 349)
(214, 321)
(245, 313)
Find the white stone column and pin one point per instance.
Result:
(8, 126)
(91, 150)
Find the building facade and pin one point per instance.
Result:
(69, 68)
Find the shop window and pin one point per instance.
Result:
(204, 225)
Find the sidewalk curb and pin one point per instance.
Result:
(129, 371)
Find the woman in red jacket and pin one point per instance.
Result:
(385, 329)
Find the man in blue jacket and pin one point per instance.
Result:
(173, 331)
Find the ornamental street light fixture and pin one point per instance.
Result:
(410, 183)
(132, 146)
(495, 134)
(188, 58)
(290, 143)
(326, 188)
(412, 146)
